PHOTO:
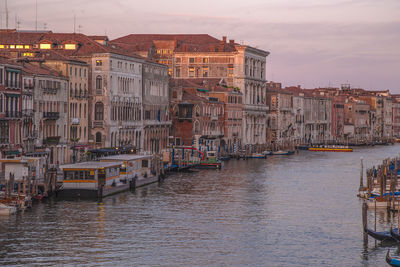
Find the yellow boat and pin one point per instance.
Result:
(331, 149)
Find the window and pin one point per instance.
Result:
(45, 46)
(98, 137)
(84, 73)
(205, 60)
(178, 60)
(70, 46)
(80, 72)
(191, 60)
(99, 111)
(99, 82)
(191, 71)
(99, 62)
(205, 72)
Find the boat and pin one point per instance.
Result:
(333, 148)
(7, 210)
(395, 235)
(136, 169)
(257, 156)
(392, 261)
(278, 153)
(209, 161)
(381, 236)
(92, 179)
(378, 202)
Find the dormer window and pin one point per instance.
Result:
(70, 46)
(45, 46)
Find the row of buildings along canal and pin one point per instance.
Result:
(71, 97)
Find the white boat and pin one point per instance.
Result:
(92, 179)
(135, 168)
(7, 210)
(377, 202)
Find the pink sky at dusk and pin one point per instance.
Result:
(313, 43)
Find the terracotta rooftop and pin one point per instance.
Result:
(183, 42)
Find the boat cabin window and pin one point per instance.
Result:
(79, 175)
(145, 163)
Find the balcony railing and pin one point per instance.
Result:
(27, 112)
(4, 140)
(51, 140)
(98, 124)
(50, 90)
(13, 114)
(51, 115)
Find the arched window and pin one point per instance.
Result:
(99, 82)
(99, 111)
(98, 137)
(197, 127)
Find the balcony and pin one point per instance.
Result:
(4, 140)
(52, 91)
(51, 140)
(27, 112)
(214, 118)
(13, 114)
(51, 115)
(98, 124)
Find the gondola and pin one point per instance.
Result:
(381, 236)
(392, 261)
(395, 235)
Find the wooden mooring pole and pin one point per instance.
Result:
(361, 175)
(365, 222)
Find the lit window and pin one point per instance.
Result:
(99, 62)
(70, 46)
(205, 60)
(19, 46)
(27, 46)
(12, 46)
(45, 46)
(27, 54)
(1, 46)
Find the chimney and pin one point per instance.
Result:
(232, 41)
(224, 39)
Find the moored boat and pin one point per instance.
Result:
(92, 180)
(7, 210)
(381, 236)
(257, 156)
(135, 169)
(278, 153)
(395, 234)
(209, 161)
(333, 148)
(392, 261)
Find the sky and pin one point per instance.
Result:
(312, 43)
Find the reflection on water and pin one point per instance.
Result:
(283, 211)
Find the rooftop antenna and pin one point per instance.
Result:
(45, 26)
(6, 16)
(36, 16)
(79, 28)
(74, 21)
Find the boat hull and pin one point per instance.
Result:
(381, 236)
(392, 261)
(330, 149)
(90, 193)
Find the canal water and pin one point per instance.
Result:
(299, 210)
